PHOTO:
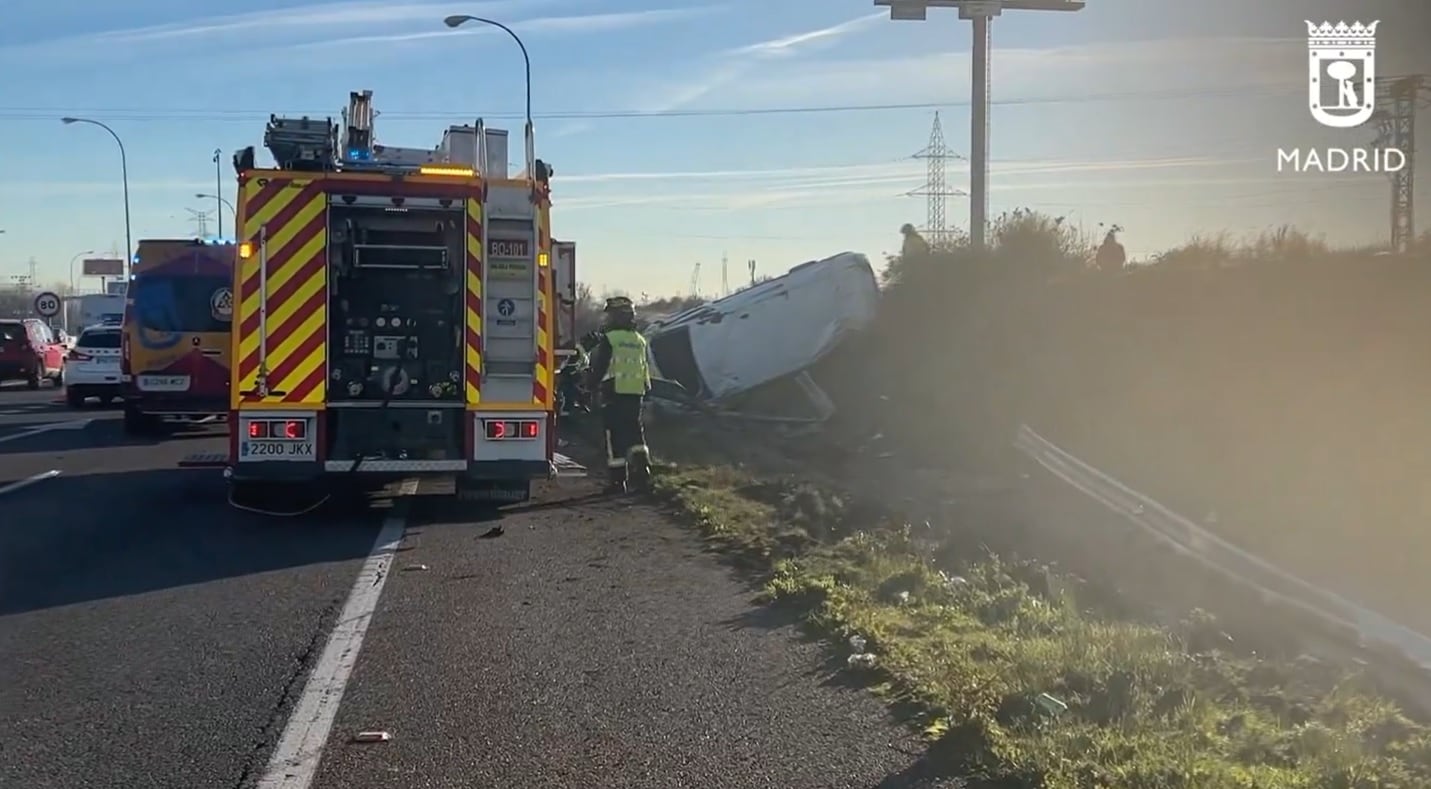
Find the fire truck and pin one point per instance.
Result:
(394, 313)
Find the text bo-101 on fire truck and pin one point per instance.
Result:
(394, 311)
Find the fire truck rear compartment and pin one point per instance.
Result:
(395, 329)
(395, 434)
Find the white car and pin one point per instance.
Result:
(92, 368)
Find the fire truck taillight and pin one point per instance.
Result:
(291, 428)
(503, 430)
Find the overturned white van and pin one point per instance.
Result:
(773, 330)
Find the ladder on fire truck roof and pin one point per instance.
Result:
(308, 145)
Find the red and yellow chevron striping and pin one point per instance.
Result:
(543, 377)
(293, 211)
(473, 368)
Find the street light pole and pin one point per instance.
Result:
(69, 308)
(981, 13)
(72, 268)
(529, 134)
(124, 171)
(219, 190)
(979, 134)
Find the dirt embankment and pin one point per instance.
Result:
(1284, 402)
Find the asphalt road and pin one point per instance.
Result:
(152, 636)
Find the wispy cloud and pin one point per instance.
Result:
(324, 20)
(868, 191)
(1007, 166)
(605, 189)
(585, 23)
(81, 188)
(770, 75)
(569, 129)
(795, 44)
(732, 65)
(730, 190)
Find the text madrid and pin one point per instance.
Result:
(1341, 160)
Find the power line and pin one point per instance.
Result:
(137, 114)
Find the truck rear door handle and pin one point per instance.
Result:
(212, 352)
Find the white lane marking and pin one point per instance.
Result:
(294, 763)
(28, 481)
(76, 424)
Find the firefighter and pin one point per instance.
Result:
(914, 244)
(621, 376)
(1111, 257)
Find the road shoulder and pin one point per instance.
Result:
(595, 643)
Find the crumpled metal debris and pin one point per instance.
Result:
(859, 657)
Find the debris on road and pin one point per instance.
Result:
(372, 736)
(416, 568)
(862, 660)
(859, 657)
(1050, 704)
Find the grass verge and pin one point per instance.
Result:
(1017, 685)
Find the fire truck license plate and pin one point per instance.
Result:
(275, 450)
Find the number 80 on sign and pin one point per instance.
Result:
(47, 304)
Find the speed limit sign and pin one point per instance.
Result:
(47, 304)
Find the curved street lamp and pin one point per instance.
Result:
(124, 170)
(77, 256)
(70, 306)
(529, 138)
(226, 202)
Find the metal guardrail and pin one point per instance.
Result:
(1372, 630)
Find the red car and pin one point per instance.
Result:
(30, 352)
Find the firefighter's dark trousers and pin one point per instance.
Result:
(625, 437)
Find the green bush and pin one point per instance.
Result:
(1270, 380)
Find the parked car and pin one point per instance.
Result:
(92, 368)
(30, 352)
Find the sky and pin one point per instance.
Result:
(688, 132)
